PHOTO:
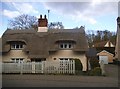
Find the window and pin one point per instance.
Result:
(66, 45)
(64, 62)
(16, 46)
(17, 60)
(65, 59)
(21, 46)
(70, 46)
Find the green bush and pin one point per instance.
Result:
(94, 63)
(78, 66)
(96, 72)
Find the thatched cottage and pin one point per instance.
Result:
(44, 44)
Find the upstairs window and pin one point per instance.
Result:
(16, 46)
(65, 45)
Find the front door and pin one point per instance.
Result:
(37, 66)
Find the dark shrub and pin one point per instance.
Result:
(96, 72)
(116, 62)
(94, 63)
(78, 66)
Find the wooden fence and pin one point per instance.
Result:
(61, 67)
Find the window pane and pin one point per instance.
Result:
(13, 60)
(17, 60)
(21, 59)
(61, 58)
(65, 45)
(17, 46)
(13, 46)
(61, 45)
(21, 46)
(69, 45)
(66, 58)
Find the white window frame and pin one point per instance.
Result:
(20, 60)
(65, 59)
(65, 45)
(14, 46)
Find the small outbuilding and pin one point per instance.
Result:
(106, 56)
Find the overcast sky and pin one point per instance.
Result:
(93, 14)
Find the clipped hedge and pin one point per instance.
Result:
(96, 72)
(94, 63)
(78, 66)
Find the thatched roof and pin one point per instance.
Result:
(39, 44)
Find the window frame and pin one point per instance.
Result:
(65, 59)
(17, 60)
(66, 45)
(17, 46)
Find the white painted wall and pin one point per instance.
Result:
(42, 29)
(59, 54)
(14, 54)
(69, 54)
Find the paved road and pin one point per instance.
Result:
(63, 80)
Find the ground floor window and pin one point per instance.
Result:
(17, 60)
(64, 62)
(38, 59)
(65, 59)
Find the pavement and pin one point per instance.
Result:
(37, 80)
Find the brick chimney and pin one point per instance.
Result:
(42, 24)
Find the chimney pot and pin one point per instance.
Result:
(42, 24)
(45, 16)
(40, 16)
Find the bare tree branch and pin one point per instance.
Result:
(56, 25)
(23, 22)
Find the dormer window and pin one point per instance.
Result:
(16, 46)
(65, 45)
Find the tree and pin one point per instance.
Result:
(23, 22)
(90, 37)
(56, 25)
(106, 35)
(98, 36)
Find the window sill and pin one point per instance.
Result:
(16, 49)
(65, 48)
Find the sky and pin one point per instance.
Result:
(92, 14)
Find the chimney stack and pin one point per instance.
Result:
(42, 24)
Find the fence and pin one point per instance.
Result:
(62, 67)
